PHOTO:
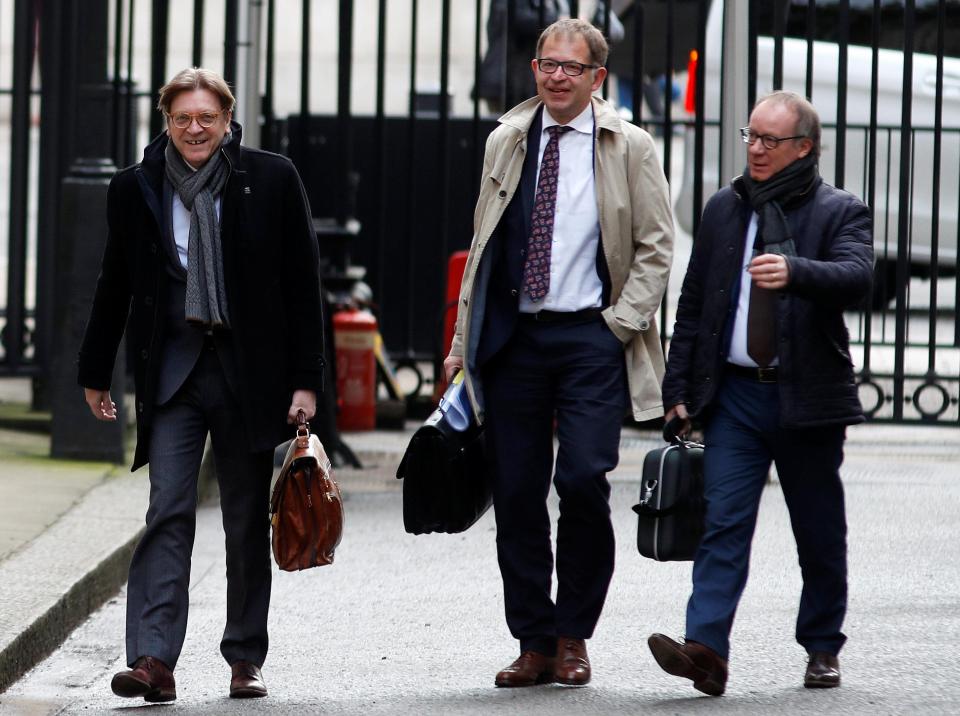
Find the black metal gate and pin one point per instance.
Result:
(376, 104)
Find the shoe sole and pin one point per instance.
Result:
(158, 696)
(676, 663)
(579, 681)
(542, 679)
(247, 693)
(129, 687)
(821, 684)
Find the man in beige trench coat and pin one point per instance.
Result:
(571, 251)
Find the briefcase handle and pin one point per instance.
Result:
(670, 429)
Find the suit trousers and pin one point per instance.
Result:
(574, 374)
(158, 589)
(742, 437)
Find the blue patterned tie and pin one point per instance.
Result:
(536, 270)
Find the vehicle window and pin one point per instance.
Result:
(827, 24)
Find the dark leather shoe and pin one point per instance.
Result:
(149, 678)
(530, 668)
(823, 671)
(246, 681)
(691, 660)
(573, 665)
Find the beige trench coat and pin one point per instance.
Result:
(636, 227)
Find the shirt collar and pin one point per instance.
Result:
(583, 122)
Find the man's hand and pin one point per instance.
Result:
(679, 411)
(451, 365)
(305, 400)
(102, 407)
(769, 271)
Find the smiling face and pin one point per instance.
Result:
(779, 120)
(565, 97)
(197, 144)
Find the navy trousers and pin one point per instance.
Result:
(742, 437)
(576, 374)
(157, 593)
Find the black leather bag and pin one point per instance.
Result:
(444, 470)
(671, 508)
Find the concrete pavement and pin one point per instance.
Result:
(403, 624)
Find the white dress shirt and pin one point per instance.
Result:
(738, 342)
(574, 283)
(181, 226)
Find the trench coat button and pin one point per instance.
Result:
(140, 407)
(514, 292)
(148, 300)
(464, 302)
(153, 248)
(644, 325)
(144, 354)
(730, 249)
(502, 194)
(523, 252)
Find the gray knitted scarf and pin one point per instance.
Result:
(206, 299)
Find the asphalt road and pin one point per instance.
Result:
(410, 625)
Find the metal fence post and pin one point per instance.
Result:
(75, 433)
(734, 102)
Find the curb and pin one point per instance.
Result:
(38, 620)
(51, 629)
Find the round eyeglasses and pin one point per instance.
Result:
(182, 120)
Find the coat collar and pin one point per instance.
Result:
(522, 116)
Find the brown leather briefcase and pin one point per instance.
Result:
(306, 509)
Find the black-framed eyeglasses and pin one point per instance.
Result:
(768, 140)
(182, 120)
(570, 68)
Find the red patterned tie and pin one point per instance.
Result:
(536, 270)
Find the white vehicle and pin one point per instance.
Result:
(886, 203)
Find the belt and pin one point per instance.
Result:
(760, 375)
(581, 316)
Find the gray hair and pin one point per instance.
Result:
(808, 121)
(194, 78)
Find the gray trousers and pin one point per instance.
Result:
(157, 594)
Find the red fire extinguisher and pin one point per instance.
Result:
(354, 339)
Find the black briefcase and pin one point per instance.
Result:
(671, 508)
(444, 469)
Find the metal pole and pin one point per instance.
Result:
(158, 59)
(75, 433)
(735, 105)
(903, 218)
(14, 332)
(248, 71)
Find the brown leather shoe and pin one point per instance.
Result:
(530, 668)
(246, 681)
(573, 665)
(823, 671)
(691, 660)
(149, 678)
